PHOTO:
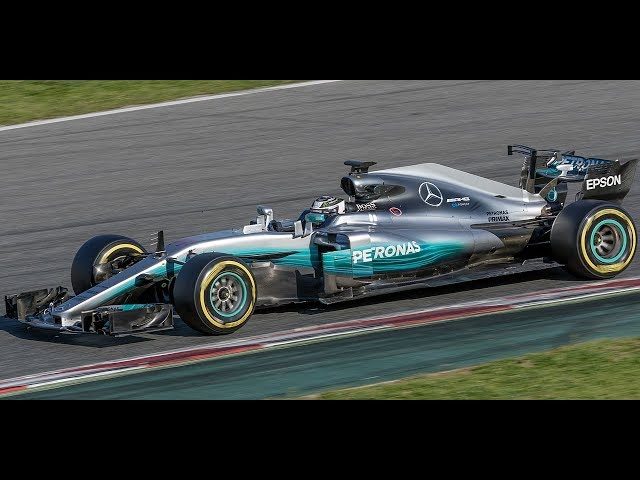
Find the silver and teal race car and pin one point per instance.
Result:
(400, 228)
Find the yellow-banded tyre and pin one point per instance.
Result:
(215, 293)
(94, 260)
(594, 239)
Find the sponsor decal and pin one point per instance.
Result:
(458, 200)
(581, 163)
(430, 194)
(603, 182)
(498, 212)
(370, 254)
(460, 204)
(363, 207)
(498, 216)
(552, 196)
(395, 211)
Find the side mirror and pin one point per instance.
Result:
(267, 212)
(262, 210)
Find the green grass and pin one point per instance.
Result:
(25, 100)
(606, 369)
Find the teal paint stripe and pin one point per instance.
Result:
(134, 306)
(339, 263)
(302, 258)
(549, 171)
(129, 284)
(428, 255)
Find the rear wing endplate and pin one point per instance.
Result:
(611, 181)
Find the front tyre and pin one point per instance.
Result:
(594, 239)
(93, 261)
(215, 293)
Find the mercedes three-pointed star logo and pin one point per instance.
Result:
(430, 194)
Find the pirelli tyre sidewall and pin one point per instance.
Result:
(98, 251)
(215, 293)
(594, 239)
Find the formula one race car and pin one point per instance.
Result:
(401, 228)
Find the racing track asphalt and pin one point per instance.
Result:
(204, 166)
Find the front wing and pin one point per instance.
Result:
(36, 309)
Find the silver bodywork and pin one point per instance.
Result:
(440, 222)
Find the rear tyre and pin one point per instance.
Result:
(89, 265)
(215, 293)
(594, 239)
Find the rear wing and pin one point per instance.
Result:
(611, 181)
(601, 179)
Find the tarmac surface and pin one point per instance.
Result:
(204, 166)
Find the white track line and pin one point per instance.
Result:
(203, 98)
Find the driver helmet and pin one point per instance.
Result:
(328, 205)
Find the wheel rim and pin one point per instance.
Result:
(608, 241)
(227, 294)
